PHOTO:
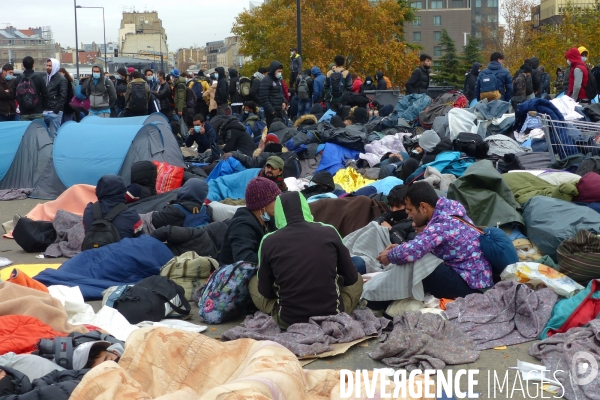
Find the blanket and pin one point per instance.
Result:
(509, 313)
(350, 180)
(14, 194)
(231, 186)
(225, 167)
(562, 354)
(438, 180)
(378, 148)
(20, 300)
(313, 337)
(69, 235)
(21, 334)
(425, 341)
(169, 364)
(525, 186)
(348, 214)
(334, 158)
(73, 200)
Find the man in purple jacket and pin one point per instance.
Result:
(465, 269)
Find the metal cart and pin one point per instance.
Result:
(566, 138)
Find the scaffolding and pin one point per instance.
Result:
(15, 44)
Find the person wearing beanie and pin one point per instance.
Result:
(293, 284)
(520, 84)
(174, 73)
(428, 140)
(271, 138)
(251, 223)
(273, 171)
(130, 70)
(470, 81)
(361, 115)
(187, 209)
(337, 122)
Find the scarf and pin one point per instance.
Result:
(279, 180)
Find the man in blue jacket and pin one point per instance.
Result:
(494, 82)
(318, 84)
(201, 133)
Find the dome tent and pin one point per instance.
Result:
(143, 120)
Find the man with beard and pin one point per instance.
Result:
(273, 171)
(418, 82)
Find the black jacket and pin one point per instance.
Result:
(271, 92)
(381, 84)
(40, 88)
(204, 241)
(233, 133)
(444, 145)
(164, 98)
(143, 180)
(418, 82)
(222, 92)
(471, 81)
(57, 93)
(254, 91)
(365, 86)
(70, 94)
(234, 87)
(536, 75)
(243, 238)
(306, 283)
(8, 104)
(121, 88)
(57, 385)
(191, 196)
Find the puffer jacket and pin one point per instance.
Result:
(270, 91)
(318, 84)
(164, 97)
(234, 87)
(57, 385)
(502, 77)
(233, 133)
(418, 83)
(179, 88)
(101, 92)
(222, 92)
(205, 241)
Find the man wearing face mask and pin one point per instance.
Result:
(101, 93)
(418, 83)
(397, 221)
(201, 133)
(368, 85)
(251, 223)
(8, 106)
(57, 94)
(295, 65)
(271, 93)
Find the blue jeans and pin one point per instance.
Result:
(304, 107)
(53, 121)
(360, 265)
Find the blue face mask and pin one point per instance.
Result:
(197, 128)
(9, 77)
(216, 76)
(265, 217)
(368, 82)
(96, 75)
(584, 59)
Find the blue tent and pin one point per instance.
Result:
(143, 120)
(83, 153)
(25, 149)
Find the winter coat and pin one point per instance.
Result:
(222, 91)
(57, 93)
(243, 238)
(536, 75)
(204, 241)
(318, 84)
(309, 82)
(179, 94)
(203, 140)
(520, 87)
(70, 94)
(101, 92)
(346, 77)
(234, 87)
(233, 133)
(8, 103)
(305, 283)
(164, 98)
(296, 63)
(40, 88)
(209, 96)
(190, 196)
(121, 88)
(271, 92)
(418, 83)
(444, 145)
(254, 88)
(129, 88)
(367, 86)
(143, 181)
(471, 81)
(381, 84)
(545, 83)
(503, 78)
(57, 385)
(356, 85)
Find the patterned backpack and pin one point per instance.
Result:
(226, 294)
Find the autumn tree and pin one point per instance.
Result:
(369, 34)
(449, 71)
(471, 54)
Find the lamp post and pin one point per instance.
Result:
(298, 29)
(104, 27)
(76, 40)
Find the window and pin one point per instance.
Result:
(416, 36)
(436, 4)
(437, 36)
(417, 21)
(437, 51)
(478, 35)
(457, 4)
(417, 4)
(492, 3)
(477, 3)
(492, 18)
(478, 18)
(437, 20)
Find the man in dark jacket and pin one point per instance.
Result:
(110, 192)
(294, 284)
(190, 197)
(255, 86)
(137, 96)
(251, 223)
(204, 241)
(121, 88)
(544, 82)
(41, 92)
(304, 92)
(295, 65)
(529, 90)
(201, 133)
(8, 105)
(233, 134)
(502, 76)
(234, 92)
(271, 93)
(536, 76)
(143, 181)
(57, 95)
(381, 84)
(368, 85)
(101, 92)
(163, 94)
(222, 92)
(57, 385)
(520, 85)
(471, 81)
(337, 90)
(397, 221)
(418, 83)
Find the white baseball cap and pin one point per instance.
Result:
(82, 353)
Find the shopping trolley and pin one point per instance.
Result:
(566, 138)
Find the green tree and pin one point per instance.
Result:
(471, 54)
(449, 71)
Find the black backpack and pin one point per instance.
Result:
(102, 231)
(471, 144)
(138, 101)
(27, 97)
(34, 236)
(152, 299)
(336, 81)
(591, 89)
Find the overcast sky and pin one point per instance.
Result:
(187, 22)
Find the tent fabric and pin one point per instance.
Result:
(143, 120)
(485, 195)
(25, 148)
(525, 186)
(334, 158)
(225, 167)
(231, 186)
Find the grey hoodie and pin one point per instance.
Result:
(101, 92)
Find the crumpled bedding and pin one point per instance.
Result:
(438, 180)
(525, 186)
(310, 338)
(566, 105)
(425, 341)
(69, 235)
(14, 194)
(350, 180)
(378, 148)
(231, 186)
(509, 313)
(73, 200)
(558, 354)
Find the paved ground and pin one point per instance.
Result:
(356, 358)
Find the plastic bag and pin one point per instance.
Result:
(536, 274)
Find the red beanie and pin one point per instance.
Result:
(271, 137)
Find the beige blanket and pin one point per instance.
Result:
(20, 300)
(169, 364)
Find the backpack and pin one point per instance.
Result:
(152, 299)
(188, 270)
(488, 81)
(196, 219)
(245, 86)
(336, 81)
(138, 101)
(471, 144)
(197, 88)
(27, 97)
(303, 90)
(34, 236)
(190, 98)
(60, 349)
(102, 231)
(258, 128)
(591, 89)
(226, 294)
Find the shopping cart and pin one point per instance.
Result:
(566, 138)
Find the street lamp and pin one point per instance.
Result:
(104, 27)
(298, 28)
(76, 40)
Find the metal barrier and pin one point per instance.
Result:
(384, 97)
(435, 91)
(566, 138)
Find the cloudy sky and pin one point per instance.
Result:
(187, 22)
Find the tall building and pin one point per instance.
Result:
(16, 44)
(212, 49)
(549, 11)
(142, 32)
(459, 18)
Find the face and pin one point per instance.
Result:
(104, 356)
(417, 214)
(198, 123)
(4, 73)
(347, 122)
(49, 67)
(279, 70)
(271, 172)
(149, 74)
(106, 74)
(427, 63)
(501, 61)
(270, 209)
(95, 70)
(397, 208)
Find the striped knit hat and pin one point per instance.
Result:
(261, 192)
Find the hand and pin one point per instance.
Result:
(418, 229)
(180, 113)
(386, 225)
(383, 258)
(226, 156)
(391, 246)
(191, 130)
(202, 130)
(2, 373)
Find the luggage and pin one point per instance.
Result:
(34, 236)
(579, 257)
(188, 270)
(102, 231)
(471, 144)
(138, 101)
(194, 219)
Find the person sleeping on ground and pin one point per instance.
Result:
(250, 223)
(465, 269)
(204, 241)
(143, 181)
(272, 148)
(294, 284)
(188, 209)
(321, 182)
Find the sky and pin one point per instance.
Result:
(187, 22)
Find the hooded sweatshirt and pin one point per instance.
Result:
(381, 84)
(143, 181)
(578, 75)
(111, 192)
(536, 74)
(190, 200)
(254, 88)
(234, 88)
(271, 91)
(101, 92)
(57, 88)
(318, 84)
(451, 240)
(471, 81)
(368, 86)
(222, 92)
(503, 79)
(305, 284)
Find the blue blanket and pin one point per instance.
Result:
(386, 184)
(126, 262)
(231, 186)
(225, 167)
(335, 157)
(447, 162)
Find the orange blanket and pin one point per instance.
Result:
(73, 200)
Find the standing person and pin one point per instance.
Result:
(578, 76)
(209, 96)
(381, 84)
(179, 93)
(271, 93)
(544, 82)
(8, 106)
(234, 92)
(304, 85)
(222, 91)
(67, 110)
(163, 94)
(318, 84)
(151, 79)
(295, 65)
(356, 83)
(558, 84)
(101, 93)
(368, 85)
(338, 81)
(471, 81)
(536, 76)
(137, 96)
(57, 93)
(520, 86)
(255, 86)
(418, 83)
(120, 89)
(494, 82)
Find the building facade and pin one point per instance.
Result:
(550, 11)
(212, 49)
(16, 44)
(142, 32)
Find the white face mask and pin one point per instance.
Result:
(278, 75)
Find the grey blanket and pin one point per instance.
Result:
(69, 235)
(310, 338)
(509, 313)
(559, 354)
(14, 194)
(425, 341)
